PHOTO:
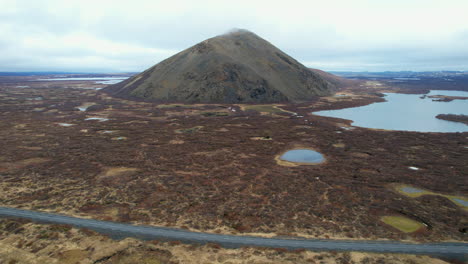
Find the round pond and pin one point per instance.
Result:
(303, 156)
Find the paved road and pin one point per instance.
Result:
(120, 230)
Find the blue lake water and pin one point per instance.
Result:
(303, 156)
(407, 79)
(461, 201)
(407, 112)
(98, 80)
(83, 79)
(411, 190)
(448, 93)
(110, 81)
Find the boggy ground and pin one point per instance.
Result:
(181, 167)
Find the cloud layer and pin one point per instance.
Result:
(82, 35)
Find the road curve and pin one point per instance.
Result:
(121, 230)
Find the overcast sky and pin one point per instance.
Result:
(119, 36)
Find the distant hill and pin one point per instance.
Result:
(31, 73)
(239, 67)
(337, 81)
(76, 74)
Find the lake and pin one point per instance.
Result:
(83, 79)
(110, 81)
(98, 80)
(302, 156)
(407, 112)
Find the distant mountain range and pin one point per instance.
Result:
(83, 74)
(401, 74)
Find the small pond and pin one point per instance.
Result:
(411, 190)
(100, 119)
(303, 156)
(119, 138)
(407, 112)
(85, 106)
(461, 201)
(65, 124)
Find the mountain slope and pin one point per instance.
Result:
(337, 81)
(238, 67)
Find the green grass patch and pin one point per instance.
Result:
(210, 114)
(402, 223)
(272, 109)
(174, 106)
(189, 130)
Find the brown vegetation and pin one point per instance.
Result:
(216, 178)
(22, 242)
(454, 118)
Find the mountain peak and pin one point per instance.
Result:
(238, 31)
(235, 67)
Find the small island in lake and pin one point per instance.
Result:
(454, 118)
(445, 98)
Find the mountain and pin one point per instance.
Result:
(238, 67)
(337, 81)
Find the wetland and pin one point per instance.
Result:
(302, 156)
(408, 112)
(180, 167)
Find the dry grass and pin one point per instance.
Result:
(264, 109)
(176, 142)
(67, 245)
(72, 256)
(8, 166)
(116, 171)
(189, 130)
(330, 200)
(261, 138)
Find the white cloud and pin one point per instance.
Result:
(133, 35)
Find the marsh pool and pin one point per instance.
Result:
(407, 112)
(303, 156)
